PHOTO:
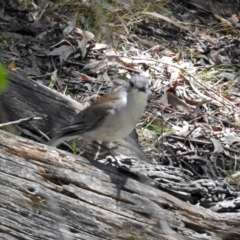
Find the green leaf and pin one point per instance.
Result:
(3, 78)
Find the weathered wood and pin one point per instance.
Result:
(25, 98)
(49, 194)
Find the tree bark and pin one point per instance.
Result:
(47, 193)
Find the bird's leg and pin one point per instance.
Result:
(104, 147)
(98, 151)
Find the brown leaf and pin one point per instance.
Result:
(178, 104)
(226, 25)
(177, 57)
(82, 77)
(12, 66)
(147, 43)
(105, 62)
(166, 19)
(233, 99)
(215, 58)
(82, 44)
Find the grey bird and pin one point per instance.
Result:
(111, 117)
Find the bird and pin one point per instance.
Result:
(111, 117)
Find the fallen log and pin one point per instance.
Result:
(47, 193)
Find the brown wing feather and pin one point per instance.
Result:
(91, 116)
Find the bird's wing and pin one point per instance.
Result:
(91, 117)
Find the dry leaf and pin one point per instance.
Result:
(226, 25)
(166, 19)
(82, 44)
(181, 131)
(105, 62)
(178, 104)
(177, 57)
(100, 46)
(63, 52)
(12, 66)
(218, 148)
(70, 27)
(229, 138)
(106, 78)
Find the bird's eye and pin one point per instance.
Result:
(142, 89)
(131, 84)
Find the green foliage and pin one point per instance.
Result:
(74, 147)
(3, 78)
(54, 78)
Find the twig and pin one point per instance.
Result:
(20, 121)
(189, 139)
(44, 9)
